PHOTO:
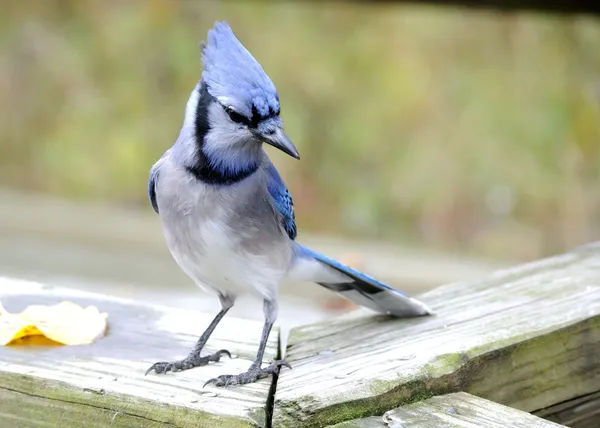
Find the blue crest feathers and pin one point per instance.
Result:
(232, 73)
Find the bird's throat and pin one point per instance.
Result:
(220, 169)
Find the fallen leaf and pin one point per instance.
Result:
(66, 323)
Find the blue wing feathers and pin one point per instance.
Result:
(152, 188)
(365, 280)
(282, 200)
(365, 290)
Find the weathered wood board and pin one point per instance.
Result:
(580, 412)
(527, 337)
(103, 384)
(456, 410)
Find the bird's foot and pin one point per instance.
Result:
(252, 375)
(189, 362)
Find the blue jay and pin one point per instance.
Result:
(227, 216)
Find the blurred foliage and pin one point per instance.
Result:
(462, 130)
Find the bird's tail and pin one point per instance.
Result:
(354, 285)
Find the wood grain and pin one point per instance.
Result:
(103, 384)
(580, 412)
(527, 337)
(457, 410)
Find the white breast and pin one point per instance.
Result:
(208, 248)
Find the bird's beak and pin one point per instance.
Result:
(279, 140)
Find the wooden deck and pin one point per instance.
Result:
(103, 384)
(457, 410)
(527, 337)
(520, 345)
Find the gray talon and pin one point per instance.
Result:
(252, 375)
(187, 363)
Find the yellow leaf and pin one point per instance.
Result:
(66, 323)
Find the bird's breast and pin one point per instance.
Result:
(219, 238)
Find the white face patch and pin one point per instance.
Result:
(225, 132)
(229, 145)
(190, 108)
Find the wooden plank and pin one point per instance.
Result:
(103, 384)
(457, 410)
(581, 412)
(527, 337)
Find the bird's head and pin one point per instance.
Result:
(235, 104)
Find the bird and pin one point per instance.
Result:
(226, 214)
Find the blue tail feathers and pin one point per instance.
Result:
(366, 291)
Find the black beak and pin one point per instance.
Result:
(279, 140)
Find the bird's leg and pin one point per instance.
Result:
(194, 359)
(255, 371)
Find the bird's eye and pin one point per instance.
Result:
(235, 116)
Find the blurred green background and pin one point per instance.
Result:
(471, 132)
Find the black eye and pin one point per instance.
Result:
(274, 112)
(235, 116)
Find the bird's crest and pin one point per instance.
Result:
(232, 75)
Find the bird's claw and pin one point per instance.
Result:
(189, 362)
(252, 375)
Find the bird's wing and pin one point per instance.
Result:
(153, 178)
(282, 200)
(152, 188)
